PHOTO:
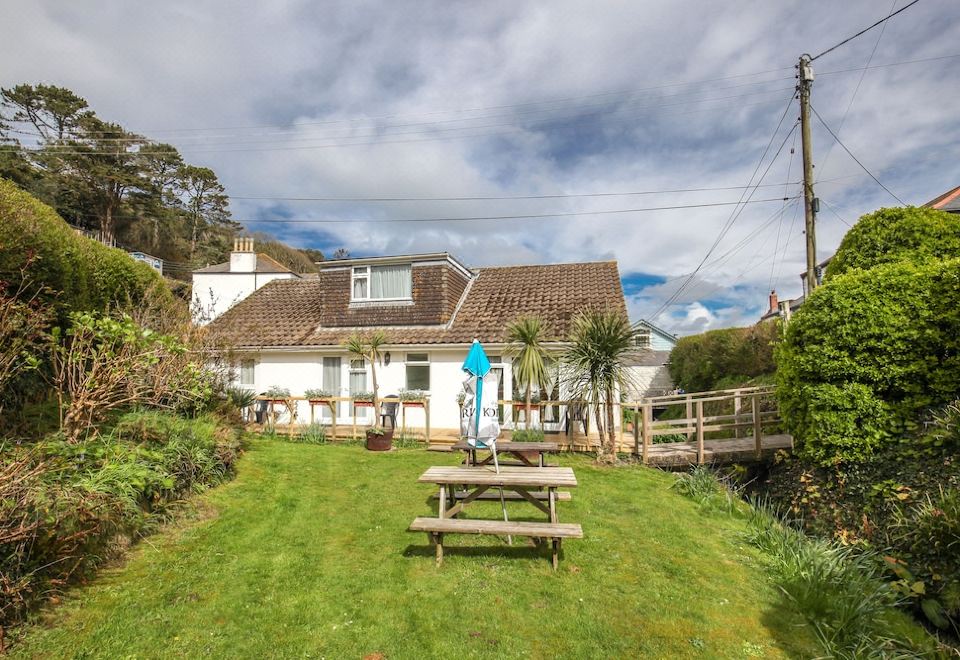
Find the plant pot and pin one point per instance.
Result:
(380, 441)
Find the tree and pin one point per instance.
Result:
(53, 112)
(530, 355)
(594, 366)
(341, 253)
(204, 200)
(369, 348)
(163, 164)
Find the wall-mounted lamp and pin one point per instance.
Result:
(386, 358)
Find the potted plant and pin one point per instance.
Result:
(317, 396)
(379, 438)
(363, 399)
(370, 349)
(277, 394)
(413, 397)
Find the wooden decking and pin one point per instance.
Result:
(716, 452)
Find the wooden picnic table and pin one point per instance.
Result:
(478, 480)
(518, 450)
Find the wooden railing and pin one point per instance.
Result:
(750, 410)
(290, 405)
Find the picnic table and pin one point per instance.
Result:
(478, 480)
(518, 450)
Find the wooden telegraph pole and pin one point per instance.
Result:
(810, 203)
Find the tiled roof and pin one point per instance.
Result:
(948, 201)
(288, 312)
(265, 264)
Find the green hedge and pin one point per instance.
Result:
(81, 274)
(867, 354)
(898, 234)
(719, 358)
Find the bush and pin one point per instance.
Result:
(66, 508)
(898, 234)
(71, 271)
(527, 435)
(867, 354)
(719, 358)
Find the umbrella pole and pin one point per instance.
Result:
(503, 502)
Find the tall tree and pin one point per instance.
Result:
(205, 202)
(163, 165)
(53, 112)
(595, 367)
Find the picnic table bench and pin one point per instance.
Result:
(518, 450)
(478, 480)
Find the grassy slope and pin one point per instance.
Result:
(305, 559)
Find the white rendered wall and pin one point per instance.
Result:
(215, 293)
(299, 371)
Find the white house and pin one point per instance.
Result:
(650, 365)
(289, 333)
(217, 288)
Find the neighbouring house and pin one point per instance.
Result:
(154, 262)
(948, 201)
(289, 333)
(784, 309)
(218, 287)
(649, 367)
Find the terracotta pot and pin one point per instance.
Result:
(380, 441)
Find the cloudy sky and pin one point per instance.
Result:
(535, 108)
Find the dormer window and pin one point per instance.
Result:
(394, 282)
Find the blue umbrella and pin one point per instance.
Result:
(477, 364)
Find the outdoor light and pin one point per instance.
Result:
(386, 358)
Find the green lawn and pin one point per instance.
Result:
(306, 554)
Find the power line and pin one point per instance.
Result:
(864, 30)
(834, 211)
(493, 217)
(476, 198)
(849, 153)
(776, 245)
(735, 214)
(863, 74)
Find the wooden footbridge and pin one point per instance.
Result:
(720, 426)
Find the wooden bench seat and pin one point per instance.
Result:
(437, 527)
(510, 495)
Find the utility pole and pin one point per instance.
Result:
(810, 203)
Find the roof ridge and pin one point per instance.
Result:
(555, 265)
(267, 256)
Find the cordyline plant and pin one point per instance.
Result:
(369, 348)
(526, 334)
(595, 368)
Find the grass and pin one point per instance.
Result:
(305, 554)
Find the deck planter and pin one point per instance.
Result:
(380, 441)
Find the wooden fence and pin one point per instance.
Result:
(703, 416)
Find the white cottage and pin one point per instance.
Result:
(218, 287)
(431, 306)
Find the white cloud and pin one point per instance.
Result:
(291, 69)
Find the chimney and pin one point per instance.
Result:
(774, 305)
(243, 259)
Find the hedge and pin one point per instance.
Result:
(80, 274)
(714, 359)
(867, 354)
(898, 234)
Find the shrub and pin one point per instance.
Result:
(718, 358)
(313, 434)
(867, 354)
(897, 234)
(527, 435)
(66, 508)
(315, 394)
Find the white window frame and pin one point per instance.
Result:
(253, 374)
(408, 362)
(643, 338)
(364, 273)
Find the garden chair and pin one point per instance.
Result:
(388, 410)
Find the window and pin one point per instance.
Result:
(382, 282)
(358, 365)
(641, 338)
(246, 372)
(418, 371)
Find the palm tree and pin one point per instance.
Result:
(368, 347)
(594, 366)
(529, 364)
